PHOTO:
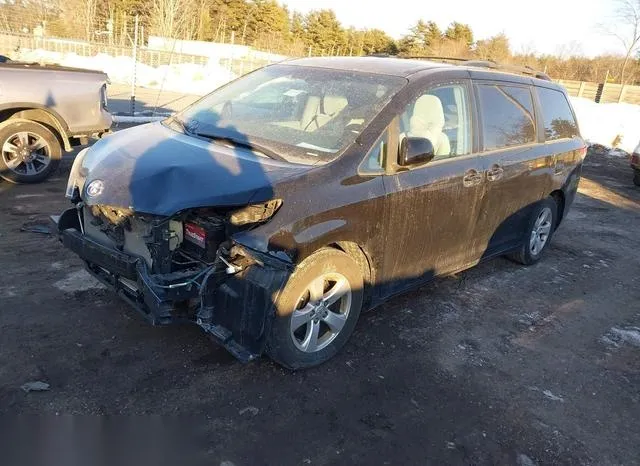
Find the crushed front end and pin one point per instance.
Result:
(184, 267)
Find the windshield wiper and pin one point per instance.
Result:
(180, 124)
(242, 143)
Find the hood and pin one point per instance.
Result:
(155, 170)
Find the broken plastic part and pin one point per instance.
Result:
(255, 213)
(231, 269)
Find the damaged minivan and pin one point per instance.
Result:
(273, 211)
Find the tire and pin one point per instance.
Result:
(636, 177)
(530, 253)
(42, 156)
(291, 342)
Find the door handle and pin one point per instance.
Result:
(495, 173)
(472, 178)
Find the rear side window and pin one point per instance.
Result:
(559, 122)
(507, 116)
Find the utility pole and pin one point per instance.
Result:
(135, 62)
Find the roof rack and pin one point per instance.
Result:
(526, 70)
(512, 68)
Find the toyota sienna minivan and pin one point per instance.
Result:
(276, 209)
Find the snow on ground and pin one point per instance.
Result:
(604, 123)
(187, 78)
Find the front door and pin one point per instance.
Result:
(433, 207)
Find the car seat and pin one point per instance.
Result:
(427, 121)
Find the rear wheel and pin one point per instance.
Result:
(538, 233)
(29, 152)
(636, 177)
(317, 311)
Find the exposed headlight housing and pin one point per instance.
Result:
(76, 176)
(255, 213)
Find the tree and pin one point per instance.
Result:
(626, 28)
(495, 48)
(297, 26)
(377, 41)
(268, 20)
(424, 37)
(168, 18)
(324, 32)
(459, 32)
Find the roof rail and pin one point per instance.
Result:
(526, 70)
(435, 58)
(512, 68)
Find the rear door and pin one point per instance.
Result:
(516, 163)
(560, 131)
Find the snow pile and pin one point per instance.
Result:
(187, 78)
(610, 125)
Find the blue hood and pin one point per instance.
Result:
(153, 169)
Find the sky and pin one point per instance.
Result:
(540, 26)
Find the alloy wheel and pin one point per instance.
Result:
(541, 231)
(322, 311)
(26, 153)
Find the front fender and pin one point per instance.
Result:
(292, 244)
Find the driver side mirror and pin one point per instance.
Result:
(415, 151)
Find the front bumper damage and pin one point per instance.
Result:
(231, 300)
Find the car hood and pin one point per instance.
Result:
(153, 169)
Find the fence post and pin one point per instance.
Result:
(135, 59)
(599, 92)
(581, 90)
(623, 91)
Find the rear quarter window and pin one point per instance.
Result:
(507, 115)
(559, 122)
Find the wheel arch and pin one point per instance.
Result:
(43, 115)
(360, 257)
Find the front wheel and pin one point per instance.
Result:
(317, 311)
(636, 177)
(538, 233)
(29, 152)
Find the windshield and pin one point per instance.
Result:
(302, 114)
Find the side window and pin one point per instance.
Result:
(375, 160)
(559, 122)
(508, 118)
(441, 115)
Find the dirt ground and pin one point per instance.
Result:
(498, 365)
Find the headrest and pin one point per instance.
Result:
(428, 108)
(333, 104)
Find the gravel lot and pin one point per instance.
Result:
(498, 365)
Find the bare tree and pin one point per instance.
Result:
(173, 18)
(626, 28)
(87, 15)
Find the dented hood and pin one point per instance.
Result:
(156, 170)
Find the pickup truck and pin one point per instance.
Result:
(45, 110)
